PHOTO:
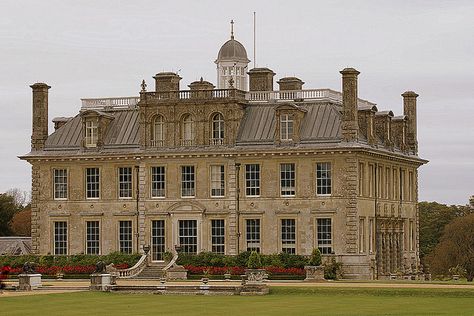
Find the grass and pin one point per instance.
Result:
(281, 301)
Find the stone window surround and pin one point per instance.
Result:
(315, 233)
(211, 165)
(279, 219)
(99, 182)
(99, 247)
(53, 221)
(295, 168)
(245, 226)
(53, 173)
(158, 141)
(189, 181)
(165, 180)
(119, 235)
(211, 236)
(221, 130)
(331, 178)
(257, 179)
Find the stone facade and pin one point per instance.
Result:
(368, 219)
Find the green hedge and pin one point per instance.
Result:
(72, 260)
(209, 259)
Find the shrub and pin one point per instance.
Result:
(315, 259)
(292, 261)
(254, 261)
(333, 270)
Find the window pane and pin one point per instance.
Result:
(187, 181)
(287, 179)
(125, 182)
(60, 238)
(92, 183)
(288, 236)
(218, 236)
(92, 238)
(188, 236)
(218, 129)
(324, 233)
(286, 127)
(253, 234)
(252, 180)
(158, 181)
(217, 181)
(158, 240)
(125, 236)
(323, 178)
(60, 183)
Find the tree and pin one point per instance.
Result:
(8, 208)
(21, 198)
(20, 224)
(456, 248)
(433, 218)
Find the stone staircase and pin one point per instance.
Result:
(151, 271)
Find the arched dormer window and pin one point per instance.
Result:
(187, 130)
(286, 127)
(217, 129)
(158, 131)
(91, 132)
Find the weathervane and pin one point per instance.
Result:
(232, 29)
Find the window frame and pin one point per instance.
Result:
(156, 255)
(163, 182)
(189, 238)
(321, 180)
(218, 237)
(288, 240)
(97, 183)
(62, 243)
(321, 243)
(91, 132)
(253, 244)
(123, 241)
(217, 118)
(291, 180)
(249, 181)
(187, 130)
(129, 183)
(191, 182)
(64, 185)
(90, 241)
(287, 123)
(220, 182)
(159, 121)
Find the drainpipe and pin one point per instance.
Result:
(237, 203)
(137, 192)
(377, 243)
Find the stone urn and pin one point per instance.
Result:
(255, 275)
(314, 273)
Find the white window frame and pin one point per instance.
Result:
(323, 242)
(125, 245)
(253, 234)
(217, 181)
(60, 184)
(188, 181)
(125, 183)
(217, 137)
(288, 176)
(95, 183)
(60, 238)
(324, 178)
(91, 133)
(218, 235)
(92, 237)
(286, 127)
(288, 235)
(371, 229)
(362, 231)
(187, 131)
(158, 181)
(158, 239)
(188, 235)
(252, 180)
(158, 131)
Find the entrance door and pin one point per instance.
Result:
(157, 240)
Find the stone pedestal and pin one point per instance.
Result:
(100, 281)
(255, 276)
(28, 282)
(177, 273)
(314, 273)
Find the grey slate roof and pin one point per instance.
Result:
(15, 245)
(321, 123)
(122, 131)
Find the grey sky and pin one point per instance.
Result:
(105, 48)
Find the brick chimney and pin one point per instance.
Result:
(290, 83)
(40, 115)
(409, 109)
(350, 126)
(260, 79)
(166, 81)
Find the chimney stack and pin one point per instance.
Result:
(166, 81)
(409, 109)
(350, 126)
(40, 115)
(261, 79)
(290, 83)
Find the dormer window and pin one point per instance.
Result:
(158, 131)
(91, 133)
(286, 127)
(217, 129)
(187, 131)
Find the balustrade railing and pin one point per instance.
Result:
(187, 142)
(157, 143)
(136, 269)
(216, 141)
(120, 102)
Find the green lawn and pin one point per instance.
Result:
(281, 301)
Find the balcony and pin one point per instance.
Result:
(187, 142)
(216, 142)
(157, 143)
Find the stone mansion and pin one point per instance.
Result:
(239, 167)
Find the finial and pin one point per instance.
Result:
(231, 29)
(231, 83)
(143, 86)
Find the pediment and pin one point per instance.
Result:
(187, 207)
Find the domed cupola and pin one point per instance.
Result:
(232, 63)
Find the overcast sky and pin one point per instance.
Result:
(105, 48)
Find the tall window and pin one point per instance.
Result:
(402, 185)
(157, 240)
(371, 235)
(158, 181)
(288, 236)
(91, 133)
(323, 178)
(324, 233)
(286, 127)
(395, 184)
(217, 181)
(125, 182)
(410, 186)
(92, 183)
(287, 179)
(218, 236)
(253, 234)
(125, 236)
(412, 236)
(92, 238)
(187, 132)
(158, 131)
(361, 178)
(379, 181)
(187, 181)
(217, 129)
(60, 184)
(387, 182)
(361, 235)
(60, 238)
(371, 180)
(188, 236)
(252, 180)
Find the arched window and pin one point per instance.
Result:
(187, 131)
(158, 131)
(217, 129)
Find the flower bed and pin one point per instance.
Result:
(218, 272)
(53, 270)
